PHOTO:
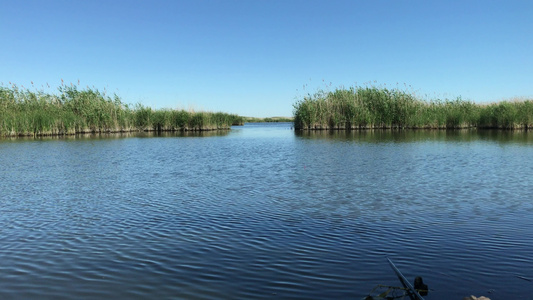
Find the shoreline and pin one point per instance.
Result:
(76, 111)
(112, 131)
(373, 107)
(398, 128)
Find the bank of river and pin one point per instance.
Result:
(382, 108)
(264, 212)
(80, 111)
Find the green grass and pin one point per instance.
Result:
(373, 107)
(268, 120)
(71, 111)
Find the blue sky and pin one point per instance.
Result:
(256, 58)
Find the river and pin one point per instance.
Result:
(263, 212)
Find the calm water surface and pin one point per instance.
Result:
(262, 212)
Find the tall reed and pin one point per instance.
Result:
(71, 111)
(377, 107)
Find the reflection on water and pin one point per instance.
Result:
(119, 135)
(387, 135)
(262, 212)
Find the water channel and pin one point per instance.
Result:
(263, 212)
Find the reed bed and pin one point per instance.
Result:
(72, 111)
(382, 108)
(268, 120)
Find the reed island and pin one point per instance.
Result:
(74, 111)
(381, 108)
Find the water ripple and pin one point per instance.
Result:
(262, 213)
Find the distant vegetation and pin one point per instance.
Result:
(377, 107)
(71, 111)
(267, 120)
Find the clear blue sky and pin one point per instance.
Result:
(255, 57)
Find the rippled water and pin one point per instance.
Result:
(263, 212)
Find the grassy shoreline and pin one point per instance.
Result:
(381, 108)
(73, 111)
(268, 120)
